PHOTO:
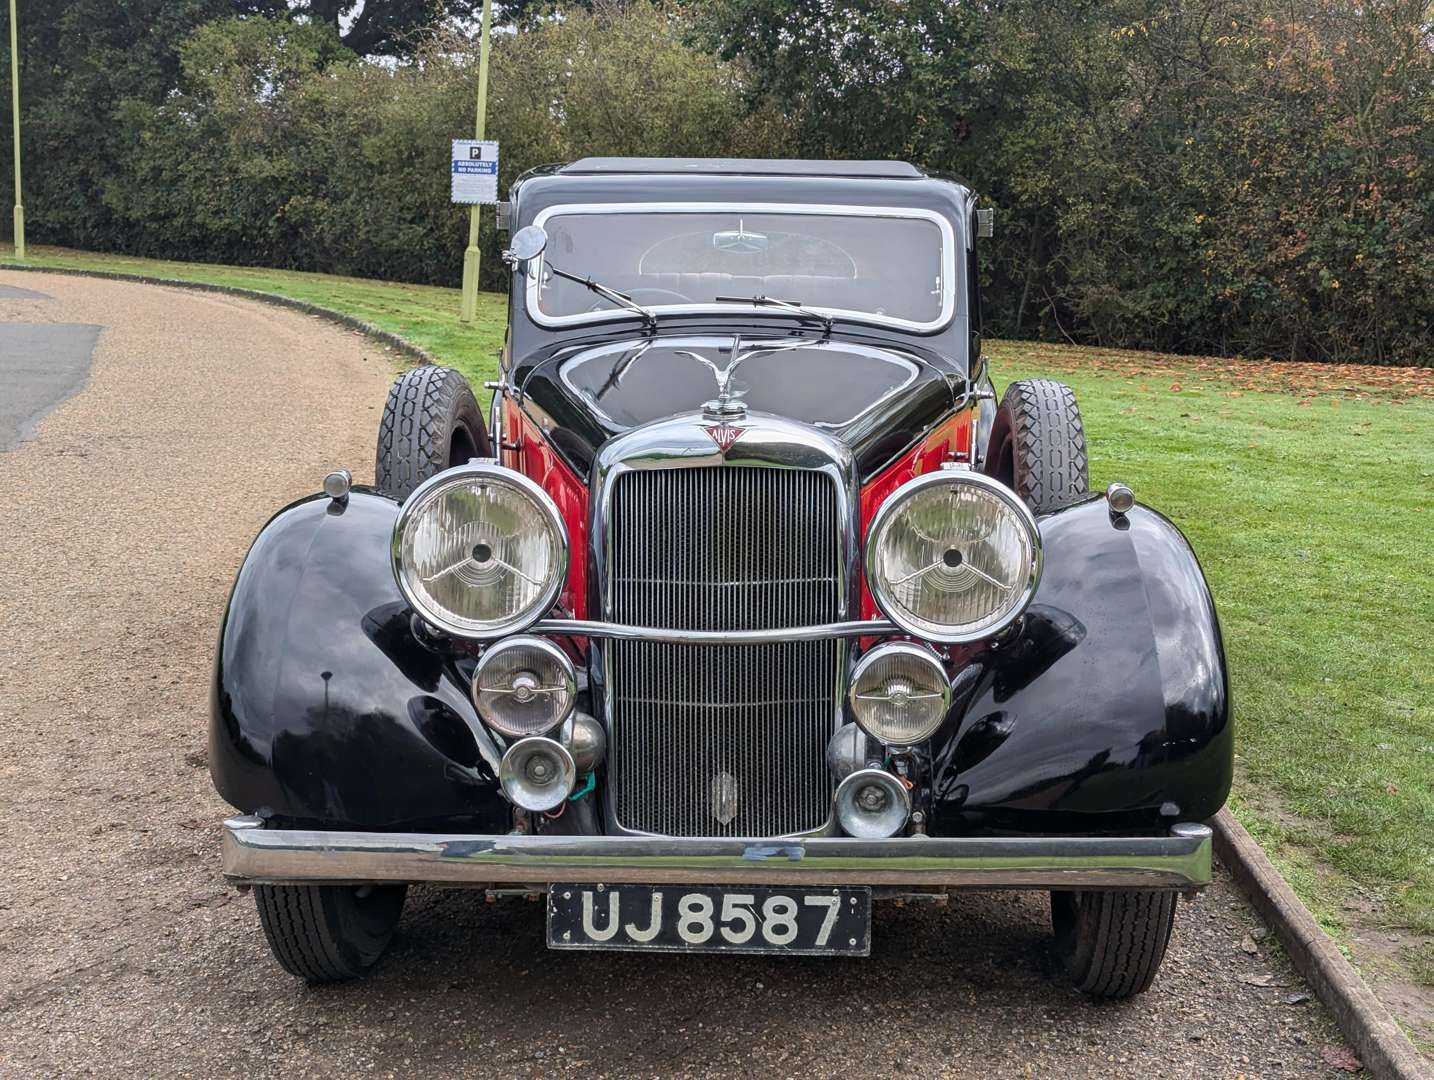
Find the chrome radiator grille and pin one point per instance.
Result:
(715, 740)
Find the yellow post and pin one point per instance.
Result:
(15, 106)
(470, 255)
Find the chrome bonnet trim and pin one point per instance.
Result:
(1180, 860)
(621, 631)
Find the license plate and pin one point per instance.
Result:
(707, 918)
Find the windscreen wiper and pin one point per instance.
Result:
(621, 299)
(772, 301)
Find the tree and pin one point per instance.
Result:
(383, 27)
(79, 59)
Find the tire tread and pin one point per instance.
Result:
(1050, 461)
(314, 935)
(423, 405)
(1119, 941)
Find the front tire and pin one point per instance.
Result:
(430, 423)
(1112, 943)
(1037, 445)
(328, 933)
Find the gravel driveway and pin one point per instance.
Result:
(122, 522)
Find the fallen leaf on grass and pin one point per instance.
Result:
(1175, 386)
(1340, 1057)
(1254, 445)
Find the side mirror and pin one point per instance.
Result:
(527, 244)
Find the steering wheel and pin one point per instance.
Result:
(646, 297)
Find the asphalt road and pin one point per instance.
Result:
(122, 521)
(41, 364)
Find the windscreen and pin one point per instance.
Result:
(887, 265)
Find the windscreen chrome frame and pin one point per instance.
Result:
(948, 263)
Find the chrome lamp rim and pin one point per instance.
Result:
(548, 648)
(434, 486)
(907, 648)
(882, 519)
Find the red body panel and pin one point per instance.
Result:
(538, 461)
(951, 438)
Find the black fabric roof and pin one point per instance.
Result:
(891, 170)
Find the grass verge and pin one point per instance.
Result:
(1307, 493)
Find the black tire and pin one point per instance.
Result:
(328, 933)
(1112, 943)
(1037, 445)
(430, 423)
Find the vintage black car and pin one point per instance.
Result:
(750, 605)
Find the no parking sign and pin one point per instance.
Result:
(475, 171)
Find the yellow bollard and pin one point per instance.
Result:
(469, 306)
(15, 105)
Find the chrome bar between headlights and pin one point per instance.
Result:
(591, 628)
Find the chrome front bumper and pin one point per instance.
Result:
(1180, 860)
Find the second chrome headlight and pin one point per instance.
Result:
(524, 686)
(899, 693)
(480, 551)
(953, 556)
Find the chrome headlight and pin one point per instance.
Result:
(524, 686)
(480, 551)
(953, 556)
(899, 693)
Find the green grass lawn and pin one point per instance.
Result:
(1312, 510)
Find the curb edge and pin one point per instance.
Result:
(1382, 1046)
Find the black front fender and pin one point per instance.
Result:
(1111, 709)
(325, 707)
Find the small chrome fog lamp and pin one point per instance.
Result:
(537, 773)
(524, 686)
(899, 693)
(871, 804)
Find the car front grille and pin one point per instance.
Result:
(723, 740)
